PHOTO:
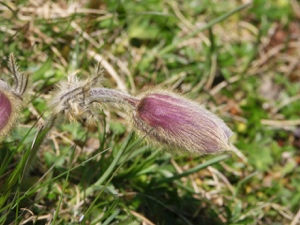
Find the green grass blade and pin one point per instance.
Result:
(193, 170)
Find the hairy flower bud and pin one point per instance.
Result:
(180, 124)
(5, 110)
(11, 98)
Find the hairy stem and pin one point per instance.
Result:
(112, 96)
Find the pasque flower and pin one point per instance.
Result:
(11, 97)
(164, 117)
(180, 124)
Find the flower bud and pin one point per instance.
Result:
(180, 124)
(11, 98)
(5, 110)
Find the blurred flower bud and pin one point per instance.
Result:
(5, 109)
(180, 124)
(11, 98)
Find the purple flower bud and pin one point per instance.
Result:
(180, 124)
(9, 106)
(5, 110)
(11, 97)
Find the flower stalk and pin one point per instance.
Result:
(106, 95)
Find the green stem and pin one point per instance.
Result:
(111, 167)
(40, 137)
